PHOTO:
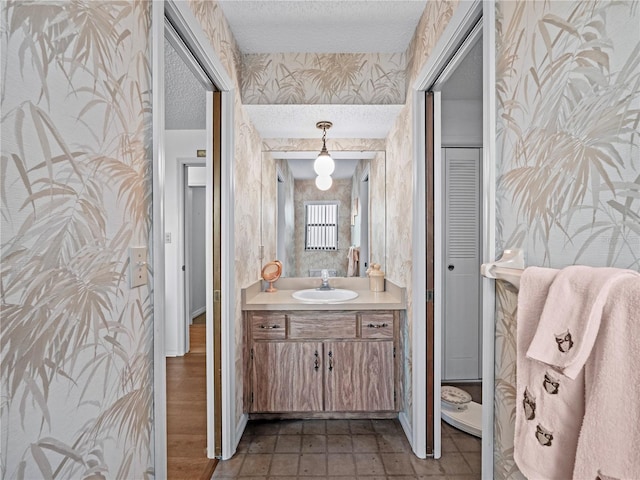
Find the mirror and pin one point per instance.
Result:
(270, 273)
(359, 189)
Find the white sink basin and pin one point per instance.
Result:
(313, 295)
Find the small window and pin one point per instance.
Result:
(321, 222)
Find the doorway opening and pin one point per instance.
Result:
(194, 250)
(221, 420)
(459, 107)
(469, 19)
(187, 105)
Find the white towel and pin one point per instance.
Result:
(571, 317)
(610, 435)
(547, 415)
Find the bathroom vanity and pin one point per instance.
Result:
(323, 360)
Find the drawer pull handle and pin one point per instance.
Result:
(269, 326)
(316, 362)
(378, 325)
(330, 361)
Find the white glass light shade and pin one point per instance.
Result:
(324, 165)
(324, 182)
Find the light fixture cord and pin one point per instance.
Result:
(324, 137)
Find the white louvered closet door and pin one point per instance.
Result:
(461, 326)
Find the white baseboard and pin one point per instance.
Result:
(199, 311)
(171, 353)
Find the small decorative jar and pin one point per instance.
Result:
(376, 278)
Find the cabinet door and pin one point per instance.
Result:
(359, 376)
(287, 377)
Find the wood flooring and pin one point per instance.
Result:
(187, 412)
(197, 337)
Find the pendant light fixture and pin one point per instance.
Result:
(324, 182)
(324, 164)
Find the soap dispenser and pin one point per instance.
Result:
(376, 278)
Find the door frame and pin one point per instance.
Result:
(462, 22)
(184, 248)
(188, 27)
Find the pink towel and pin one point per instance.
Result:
(571, 317)
(548, 417)
(610, 435)
(353, 258)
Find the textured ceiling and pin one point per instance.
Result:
(184, 95)
(323, 27)
(299, 121)
(343, 26)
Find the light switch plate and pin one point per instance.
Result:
(137, 266)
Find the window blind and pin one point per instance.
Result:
(321, 220)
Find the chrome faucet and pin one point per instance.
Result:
(325, 280)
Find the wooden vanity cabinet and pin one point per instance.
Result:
(287, 377)
(359, 376)
(321, 362)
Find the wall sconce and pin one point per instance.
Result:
(324, 164)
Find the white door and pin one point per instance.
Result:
(461, 325)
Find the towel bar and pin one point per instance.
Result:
(508, 268)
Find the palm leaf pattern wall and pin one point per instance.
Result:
(568, 89)
(76, 341)
(323, 78)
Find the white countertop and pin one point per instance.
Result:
(253, 298)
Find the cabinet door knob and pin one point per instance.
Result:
(330, 361)
(269, 326)
(316, 362)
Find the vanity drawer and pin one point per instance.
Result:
(268, 326)
(376, 325)
(322, 325)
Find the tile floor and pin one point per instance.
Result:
(345, 449)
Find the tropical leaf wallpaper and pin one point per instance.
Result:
(568, 92)
(76, 341)
(76, 361)
(323, 78)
